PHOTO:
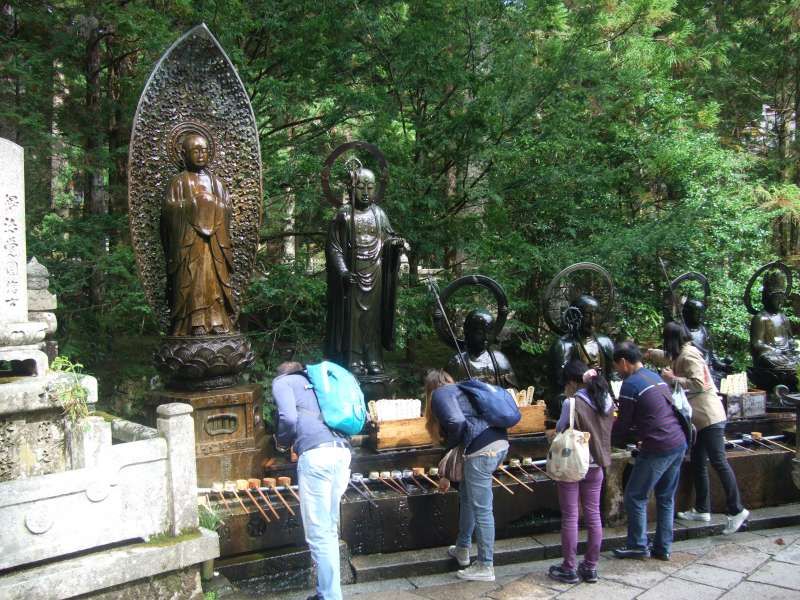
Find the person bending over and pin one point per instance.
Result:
(323, 470)
(645, 403)
(485, 448)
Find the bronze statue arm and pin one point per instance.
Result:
(722, 364)
(337, 243)
(757, 332)
(559, 357)
(510, 380)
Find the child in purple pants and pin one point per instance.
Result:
(588, 391)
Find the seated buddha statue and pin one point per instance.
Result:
(484, 363)
(773, 349)
(583, 343)
(587, 345)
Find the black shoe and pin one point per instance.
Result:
(631, 553)
(588, 575)
(659, 555)
(561, 574)
(314, 597)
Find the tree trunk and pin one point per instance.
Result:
(118, 132)
(95, 193)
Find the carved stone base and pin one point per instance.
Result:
(228, 428)
(32, 424)
(765, 379)
(203, 362)
(25, 360)
(21, 334)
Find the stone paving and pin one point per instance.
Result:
(760, 565)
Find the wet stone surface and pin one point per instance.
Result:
(761, 565)
(735, 557)
(680, 589)
(709, 575)
(778, 573)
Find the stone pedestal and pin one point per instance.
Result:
(34, 439)
(229, 433)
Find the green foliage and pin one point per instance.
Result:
(209, 518)
(71, 395)
(521, 136)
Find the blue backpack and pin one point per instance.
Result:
(340, 398)
(494, 404)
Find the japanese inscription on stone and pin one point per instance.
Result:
(13, 284)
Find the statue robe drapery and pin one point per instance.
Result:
(377, 267)
(195, 233)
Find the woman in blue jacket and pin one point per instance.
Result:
(485, 448)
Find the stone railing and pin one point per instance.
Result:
(127, 491)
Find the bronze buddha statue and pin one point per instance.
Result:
(693, 313)
(195, 234)
(585, 344)
(773, 349)
(484, 363)
(361, 296)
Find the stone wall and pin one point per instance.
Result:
(177, 585)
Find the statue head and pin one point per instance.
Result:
(589, 308)
(773, 291)
(365, 187)
(694, 312)
(195, 151)
(477, 327)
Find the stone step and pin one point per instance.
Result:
(430, 561)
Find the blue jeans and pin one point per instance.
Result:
(323, 474)
(659, 471)
(476, 513)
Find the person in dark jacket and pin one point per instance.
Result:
(589, 399)
(323, 471)
(645, 403)
(485, 448)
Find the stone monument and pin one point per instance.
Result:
(474, 357)
(194, 191)
(67, 494)
(33, 431)
(19, 337)
(363, 261)
(41, 304)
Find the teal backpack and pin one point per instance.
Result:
(340, 398)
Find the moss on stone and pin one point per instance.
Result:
(164, 539)
(107, 417)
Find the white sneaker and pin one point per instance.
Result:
(736, 521)
(460, 554)
(693, 515)
(477, 571)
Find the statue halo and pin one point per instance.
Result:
(560, 293)
(762, 270)
(689, 276)
(178, 134)
(469, 280)
(372, 149)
